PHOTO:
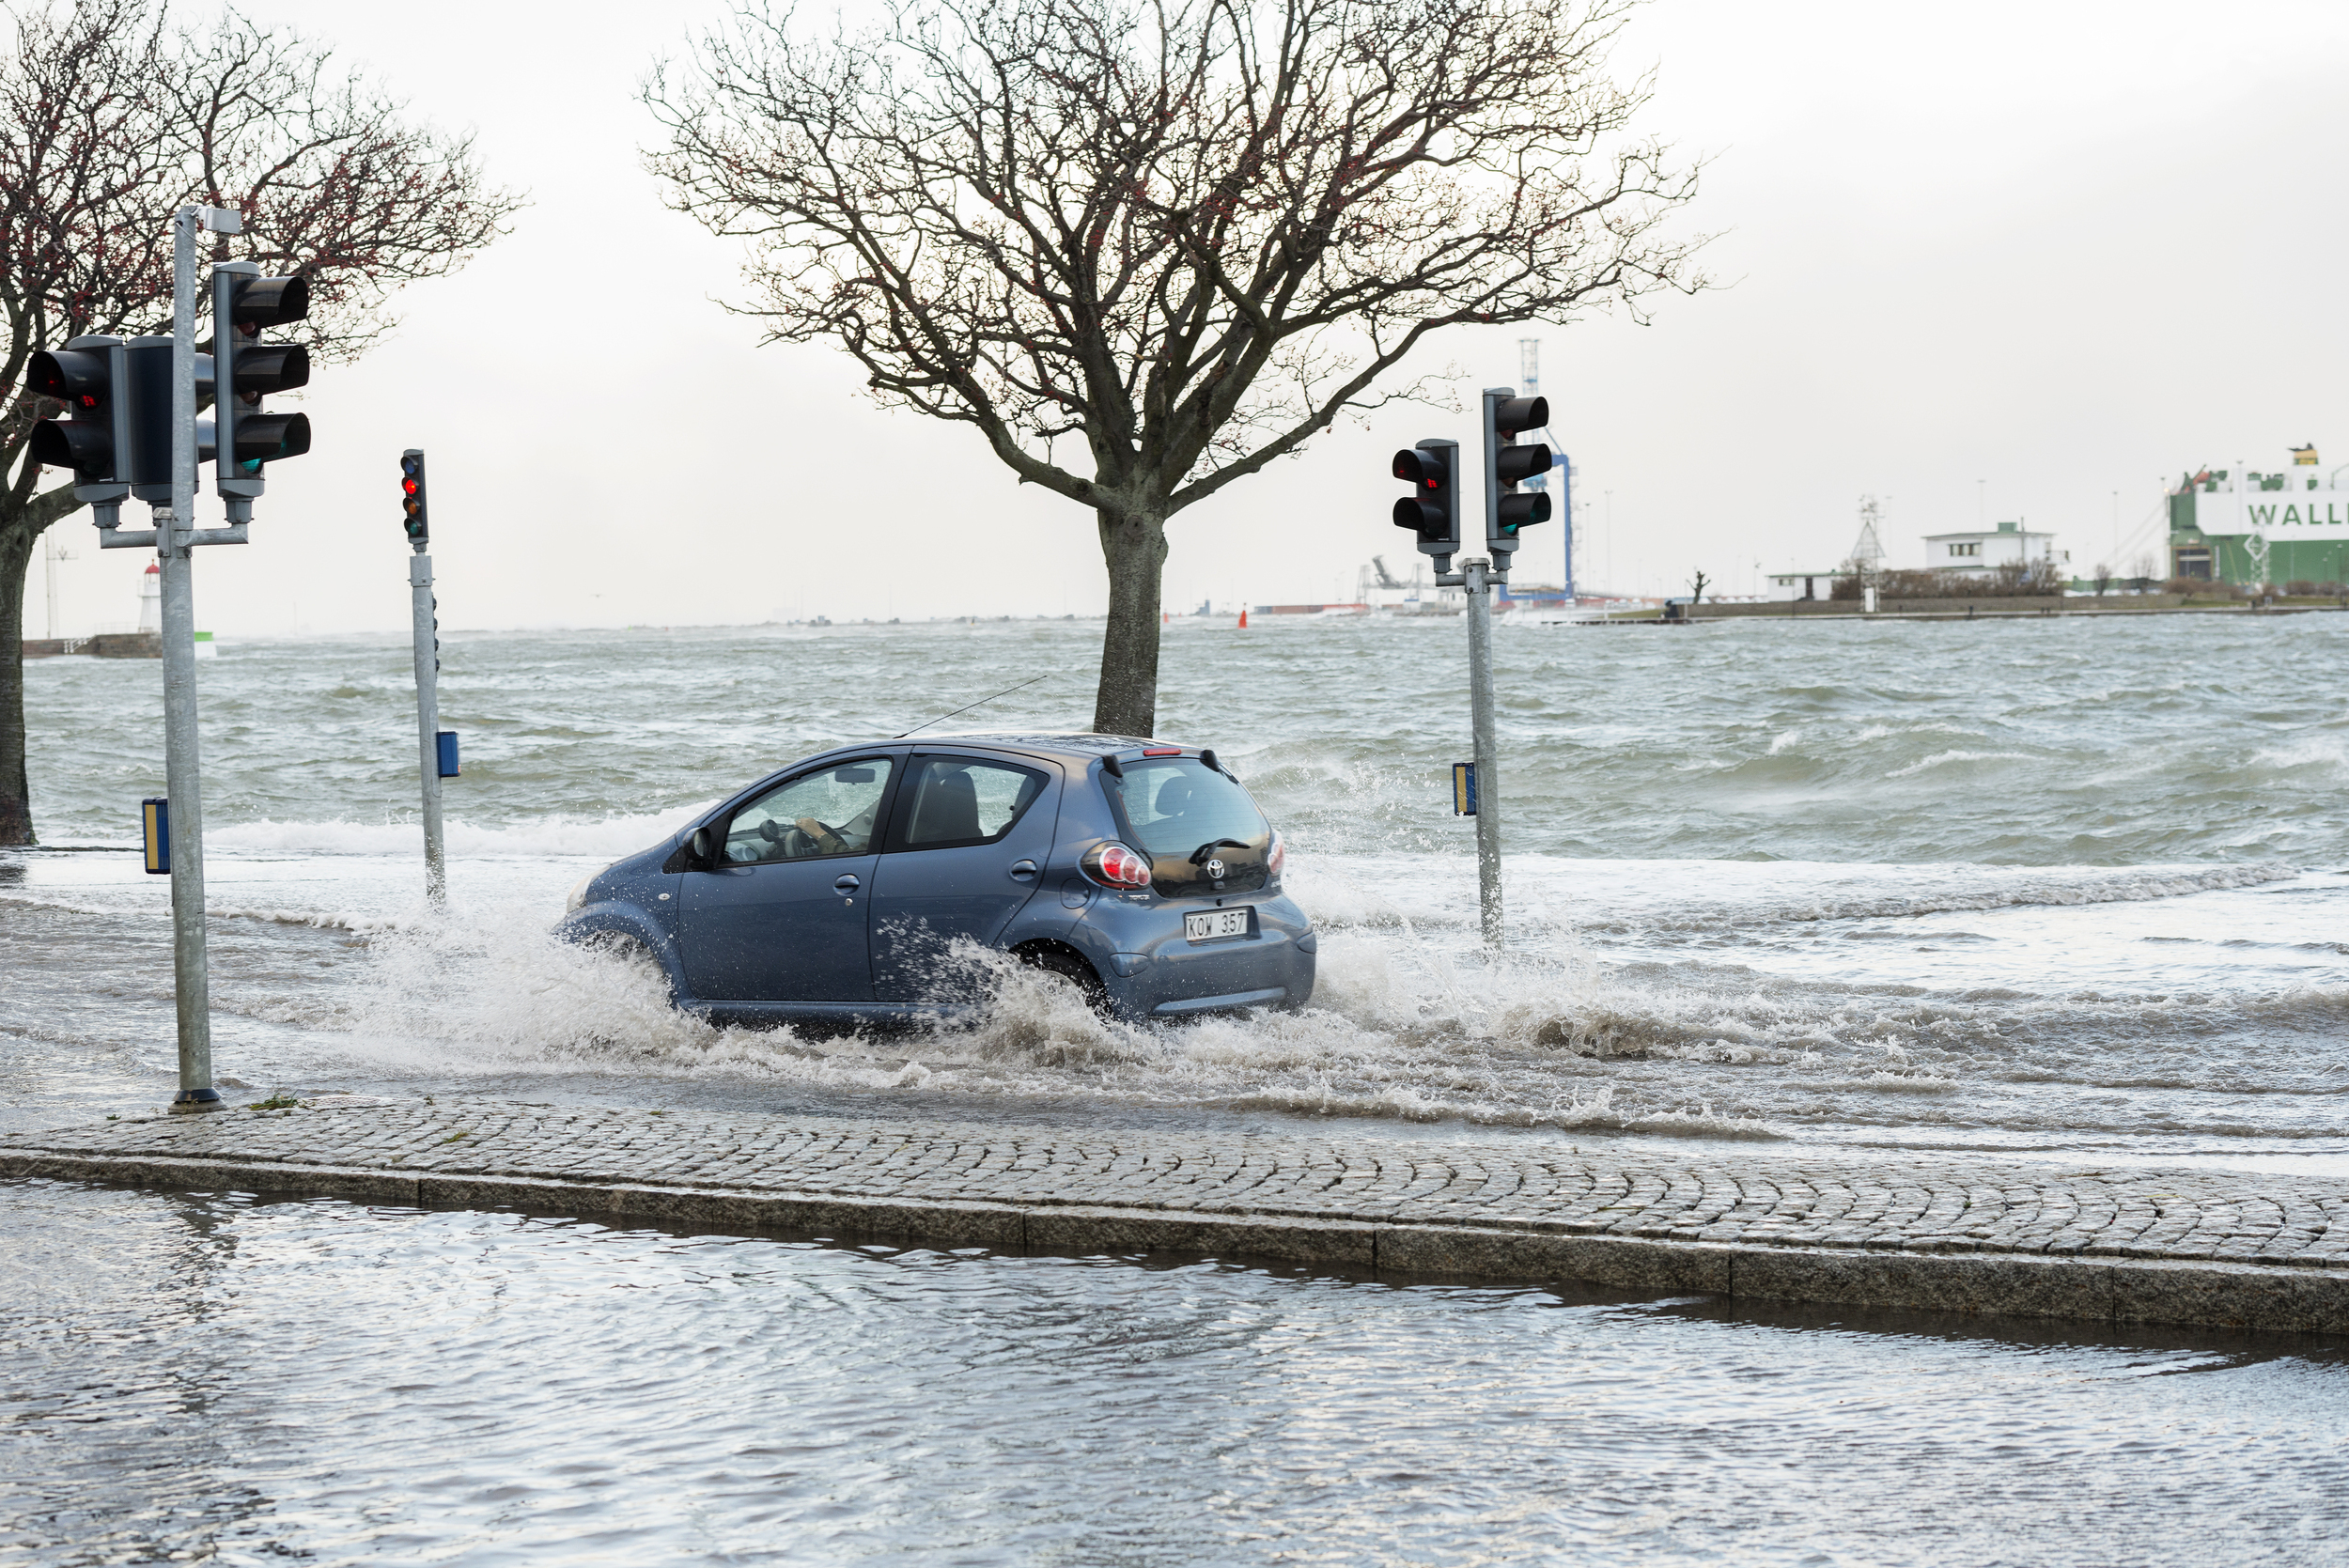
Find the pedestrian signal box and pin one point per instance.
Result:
(155, 829)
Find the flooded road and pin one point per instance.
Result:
(216, 1379)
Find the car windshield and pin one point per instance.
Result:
(1173, 805)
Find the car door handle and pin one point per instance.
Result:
(1023, 870)
(847, 882)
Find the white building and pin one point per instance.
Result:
(2009, 544)
(1785, 587)
(151, 598)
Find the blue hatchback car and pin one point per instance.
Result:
(1142, 872)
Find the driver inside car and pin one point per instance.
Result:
(782, 826)
(807, 836)
(826, 841)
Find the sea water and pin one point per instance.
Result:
(2057, 889)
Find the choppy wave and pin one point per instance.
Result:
(2028, 745)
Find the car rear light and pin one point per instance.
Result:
(1165, 752)
(1114, 865)
(1274, 858)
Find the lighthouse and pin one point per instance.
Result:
(152, 600)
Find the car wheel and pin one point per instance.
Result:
(633, 949)
(1069, 967)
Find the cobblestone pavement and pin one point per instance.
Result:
(1907, 1205)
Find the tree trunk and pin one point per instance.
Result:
(16, 801)
(1133, 543)
(21, 529)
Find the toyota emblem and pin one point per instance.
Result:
(1215, 870)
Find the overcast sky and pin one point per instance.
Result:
(1985, 262)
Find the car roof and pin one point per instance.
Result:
(1081, 745)
(1078, 746)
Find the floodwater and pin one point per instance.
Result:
(209, 1378)
(2064, 890)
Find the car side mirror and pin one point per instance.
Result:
(705, 847)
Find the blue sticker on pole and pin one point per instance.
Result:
(1464, 789)
(155, 828)
(448, 753)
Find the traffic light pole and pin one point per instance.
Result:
(1432, 510)
(427, 717)
(175, 542)
(143, 444)
(1478, 583)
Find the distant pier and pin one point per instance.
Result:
(2120, 1245)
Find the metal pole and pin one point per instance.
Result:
(190, 971)
(1480, 626)
(427, 719)
(1566, 512)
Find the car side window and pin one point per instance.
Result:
(961, 801)
(830, 811)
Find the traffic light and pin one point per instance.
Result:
(412, 499)
(1432, 510)
(245, 370)
(90, 376)
(1507, 509)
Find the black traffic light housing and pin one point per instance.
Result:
(414, 514)
(1432, 510)
(1508, 509)
(91, 377)
(245, 370)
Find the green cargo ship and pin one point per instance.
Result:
(2254, 529)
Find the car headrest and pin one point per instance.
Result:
(948, 809)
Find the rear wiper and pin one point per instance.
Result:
(1199, 856)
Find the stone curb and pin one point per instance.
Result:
(2100, 1290)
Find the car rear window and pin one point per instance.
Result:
(1173, 805)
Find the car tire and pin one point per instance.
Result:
(634, 949)
(1069, 967)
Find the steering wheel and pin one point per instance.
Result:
(826, 841)
(797, 844)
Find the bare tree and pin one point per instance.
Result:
(109, 121)
(1186, 234)
(1697, 585)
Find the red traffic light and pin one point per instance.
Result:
(68, 374)
(1417, 466)
(413, 516)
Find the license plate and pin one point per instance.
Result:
(1215, 923)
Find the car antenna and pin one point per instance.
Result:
(967, 707)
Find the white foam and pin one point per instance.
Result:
(1943, 760)
(1411, 1020)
